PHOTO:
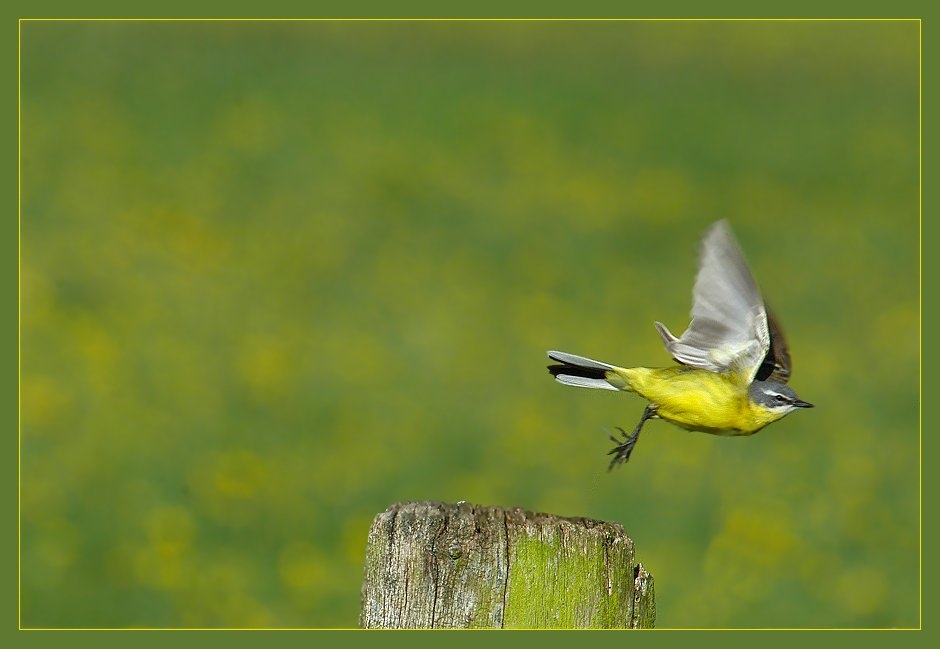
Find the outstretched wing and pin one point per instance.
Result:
(729, 331)
(776, 365)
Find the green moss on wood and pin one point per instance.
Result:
(433, 565)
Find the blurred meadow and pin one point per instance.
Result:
(279, 275)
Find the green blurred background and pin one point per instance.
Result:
(277, 276)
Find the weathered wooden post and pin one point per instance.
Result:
(437, 565)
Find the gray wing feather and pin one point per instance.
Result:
(728, 332)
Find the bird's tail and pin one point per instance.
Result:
(585, 373)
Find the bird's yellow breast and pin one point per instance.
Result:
(695, 399)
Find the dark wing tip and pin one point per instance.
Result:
(776, 365)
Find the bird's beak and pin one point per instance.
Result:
(799, 403)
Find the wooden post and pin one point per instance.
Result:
(437, 565)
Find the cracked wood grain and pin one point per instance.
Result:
(437, 565)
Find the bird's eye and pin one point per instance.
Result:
(780, 398)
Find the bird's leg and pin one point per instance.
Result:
(624, 447)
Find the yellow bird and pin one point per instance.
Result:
(734, 361)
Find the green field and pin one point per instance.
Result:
(277, 276)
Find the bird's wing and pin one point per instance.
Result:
(729, 331)
(776, 365)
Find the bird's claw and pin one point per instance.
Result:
(623, 448)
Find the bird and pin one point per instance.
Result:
(733, 360)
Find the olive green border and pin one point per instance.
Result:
(478, 10)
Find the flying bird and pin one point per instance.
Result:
(734, 363)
